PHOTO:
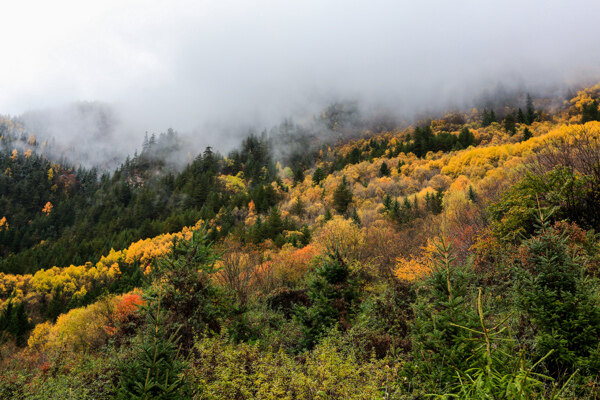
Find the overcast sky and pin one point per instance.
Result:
(184, 64)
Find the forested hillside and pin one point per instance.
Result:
(456, 258)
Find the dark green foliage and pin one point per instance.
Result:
(191, 302)
(318, 176)
(355, 217)
(440, 345)
(471, 193)
(272, 228)
(144, 197)
(488, 117)
(400, 165)
(156, 369)
(526, 134)
(434, 202)
(571, 196)
(254, 159)
(531, 114)
(466, 138)
(327, 215)
(384, 170)
(521, 117)
(590, 112)
(298, 174)
(14, 321)
(342, 197)
(332, 295)
(400, 213)
(556, 297)
(509, 124)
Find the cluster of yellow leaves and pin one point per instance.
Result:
(47, 208)
(82, 328)
(289, 264)
(147, 250)
(233, 184)
(3, 224)
(413, 268)
(341, 236)
(585, 97)
(14, 154)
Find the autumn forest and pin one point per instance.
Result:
(457, 257)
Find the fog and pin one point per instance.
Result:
(211, 69)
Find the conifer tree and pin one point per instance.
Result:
(342, 197)
(384, 170)
(509, 124)
(156, 370)
(530, 111)
(318, 176)
(556, 298)
(440, 346)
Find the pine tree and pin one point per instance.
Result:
(332, 294)
(156, 370)
(509, 124)
(590, 112)
(384, 170)
(530, 111)
(342, 197)
(557, 300)
(400, 165)
(466, 138)
(440, 346)
(471, 194)
(521, 117)
(318, 176)
(327, 216)
(526, 134)
(298, 208)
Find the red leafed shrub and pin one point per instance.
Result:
(125, 316)
(127, 307)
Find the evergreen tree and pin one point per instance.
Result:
(530, 111)
(471, 194)
(400, 165)
(526, 134)
(318, 176)
(509, 124)
(521, 117)
(298, 208)
(590, 112)
(327, 215)
(342, 197)
(488, 117)
(556, 298)
(466, 138)
(332, 295)
(384, 170)
(156, 370)
(355, 217)
(440, 345)
(298, 175)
